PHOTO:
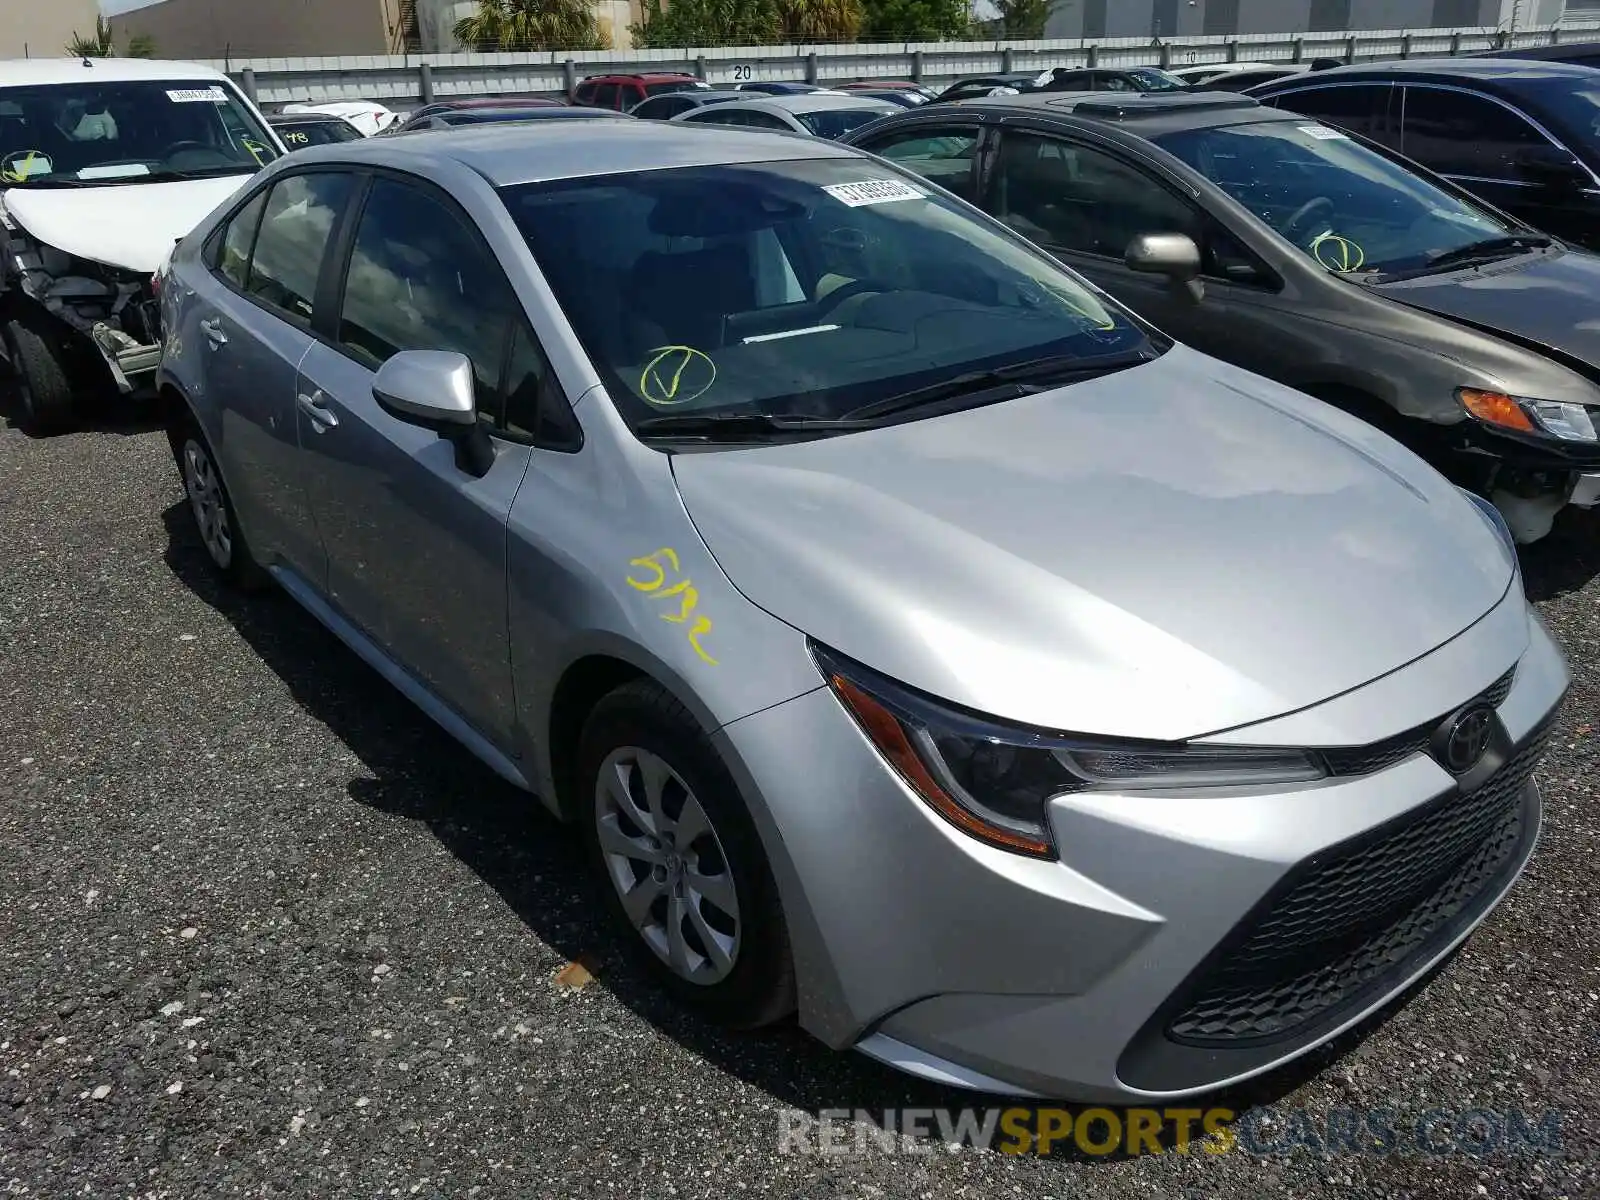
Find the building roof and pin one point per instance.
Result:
(535, 151)
(23, 72)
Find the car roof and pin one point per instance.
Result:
(537, 151)
(1144, 114)
(1486, 69)
(303, 118)
(23, 72)
(496, 102)
(524, 112)
(810, 102)
(645, 76)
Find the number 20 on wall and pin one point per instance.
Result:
(743, 71)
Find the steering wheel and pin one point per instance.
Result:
(1302, 216)
(844, 291)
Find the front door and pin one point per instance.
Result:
(416, 546)
(1477, 143)
(1086, 206)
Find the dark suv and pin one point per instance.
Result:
(622, 92)
(1523, 135)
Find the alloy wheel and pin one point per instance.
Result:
(205, 497)
(666, 861)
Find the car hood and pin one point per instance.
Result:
(130, 227)
(1548, 298)
(1170, 551)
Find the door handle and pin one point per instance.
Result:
(213, 331)
(322, 419)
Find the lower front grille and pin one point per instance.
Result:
(1350, 920)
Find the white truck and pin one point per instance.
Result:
(104, 164)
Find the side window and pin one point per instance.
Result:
(1069, 197)
(632, 94)
(1113, 83)
(605, 95)
(583, 93)
(1360, 108)
(761, 120)
(715, 115)
(1459, 134)
(238, 240)
(944, 156)
(419, 279)
(295, 228)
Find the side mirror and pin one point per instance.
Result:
(436, 389)
(1174, 255)
(1553, 168)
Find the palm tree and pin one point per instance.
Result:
(820, 20)
(531, 25)
(99, 46)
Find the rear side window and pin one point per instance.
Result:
(584, 93)
(944, 156)
(420, 279)
(605, 95)
(1359, 107)
(295, 228)
(238, 240)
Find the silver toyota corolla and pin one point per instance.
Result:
(922, 641)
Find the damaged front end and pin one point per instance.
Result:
(113, 309)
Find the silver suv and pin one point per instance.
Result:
(920, 639)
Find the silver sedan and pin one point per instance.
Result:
(816, 114)
(921, 641)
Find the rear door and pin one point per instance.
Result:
(252, 326)
(1364, 108)
(416, 546)
(946, 154)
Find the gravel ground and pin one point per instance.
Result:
(265, 931)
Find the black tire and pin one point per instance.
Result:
(230, 555)
(43, 385)
(760, 986)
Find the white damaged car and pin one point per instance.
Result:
(104, 165)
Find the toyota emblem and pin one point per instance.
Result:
(1467, 739)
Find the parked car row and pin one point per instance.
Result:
(821, 546)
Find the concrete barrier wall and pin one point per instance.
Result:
(411, 79)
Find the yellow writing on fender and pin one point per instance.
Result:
(1103, 1131)
(656, 568)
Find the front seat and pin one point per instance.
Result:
(680, 299)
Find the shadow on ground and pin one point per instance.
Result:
(420, 774)
(1566, 560)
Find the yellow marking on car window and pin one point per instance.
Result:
(1337, 253)
(22, 171)
(661, 382)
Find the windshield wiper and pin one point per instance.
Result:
(167, 175)
(1007, 383)
(739, 426)
(1489, 248)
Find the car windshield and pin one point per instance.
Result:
(805, 288)
(317, 133)
(1153, 79)
(836, 122)
(675, 85)
(1342, 203)
(63, 135)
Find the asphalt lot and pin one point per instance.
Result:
(265, 931)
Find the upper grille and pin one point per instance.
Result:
(1379, 756)
(1361, 914)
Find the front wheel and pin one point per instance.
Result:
(43, 384)
(685, 873)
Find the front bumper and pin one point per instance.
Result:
(1164, 955)
(130, 361)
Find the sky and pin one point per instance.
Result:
(116, 6)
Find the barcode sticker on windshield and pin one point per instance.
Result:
(873, 191)
(1323, 134)
(210, 95)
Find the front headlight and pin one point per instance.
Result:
(1554, 418)
(995, 781)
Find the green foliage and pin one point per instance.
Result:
(531, 25)
(141, 45)
(99, 46)
(913, 20)
(708, 23)
(1023, 19)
